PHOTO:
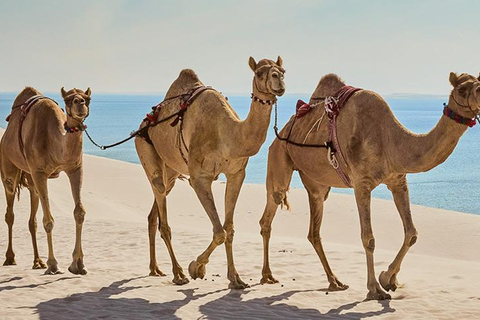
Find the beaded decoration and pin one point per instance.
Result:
(269, 102)
(80, 127)
(449, 113)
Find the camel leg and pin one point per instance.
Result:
(77, 266)
(388, 279)
(32, 223)
(153, 166)
(363, 198)
(162, 179)
(234, 184)
(165, 231)
(202, 184)
(10, 179)
(317, 194)
(40, 181)
(279, 175)
(153, 219)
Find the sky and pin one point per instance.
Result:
(140, 46)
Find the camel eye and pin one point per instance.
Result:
(275, 75)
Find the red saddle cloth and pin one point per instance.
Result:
(302, 108)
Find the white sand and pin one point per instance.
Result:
(440, 275)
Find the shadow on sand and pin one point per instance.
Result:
(103, 304)
(12, 287)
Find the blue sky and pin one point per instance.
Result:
(140, 46)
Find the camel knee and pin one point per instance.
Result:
(369, 243)
(230, 232)
(48, 224)
(411, 238)
(165, 232)
(9, 217)
(158, 182)
(79, 213)
(219, 237)
(32, 224)
(314, 238)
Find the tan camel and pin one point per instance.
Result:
(52, 143)
(217, 142)
(378, 149)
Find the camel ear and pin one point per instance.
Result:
(88, 92)
(64, 93)
(279, 61)
(453, 79)
(252, 64)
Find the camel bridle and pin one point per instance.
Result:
(447, 111)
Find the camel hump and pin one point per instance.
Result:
(25, 95)
(187, 79)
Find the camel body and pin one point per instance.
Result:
(48, 150)
(213, 140)
(377, 149)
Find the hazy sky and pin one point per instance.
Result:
(140, 46)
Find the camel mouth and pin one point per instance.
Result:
(279, 92)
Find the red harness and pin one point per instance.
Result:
(186, 100)
(333, 105)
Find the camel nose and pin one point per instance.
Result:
(79, 100)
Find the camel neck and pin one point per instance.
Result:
(421, 152)
(251, 133)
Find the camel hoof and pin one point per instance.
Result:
(52, 270)
(268, 280)
(196, 270)
(10, 262)
(39, 264)
(156, 272)
(238, 285)
(378, 294)
(180, 281)
(388, 283)
(337, 286)
(79, 271)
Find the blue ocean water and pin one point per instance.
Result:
(454, 185)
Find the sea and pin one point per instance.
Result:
(453, 185)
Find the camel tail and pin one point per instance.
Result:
(21, 184)
(285, 203)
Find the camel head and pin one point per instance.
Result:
(327, 86)
(268, 77)
(465, 94)
(77, 103)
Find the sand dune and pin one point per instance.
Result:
(440, 275)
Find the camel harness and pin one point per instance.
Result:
(333, 105)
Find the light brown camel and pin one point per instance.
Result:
(217, 142)
(377, 149)
(48, 150)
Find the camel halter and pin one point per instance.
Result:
(255, 98)
(449, 113)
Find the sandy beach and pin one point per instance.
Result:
(440, 276)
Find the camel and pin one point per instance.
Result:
(377, 149)
(210, 140)
(49, 142)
